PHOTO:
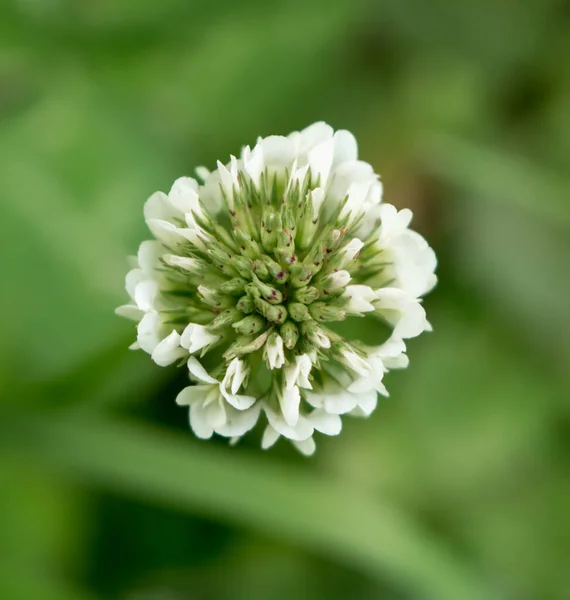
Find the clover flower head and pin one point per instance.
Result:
(262, 278)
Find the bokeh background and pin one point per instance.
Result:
(458, 487)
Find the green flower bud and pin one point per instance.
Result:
(224, 319)
(290, 334)
(275, 269)
(276, 313)
(234, 287)
(261, 270)
(322, 311)
(299, 312)
(250, 325)
(245, 305)
(270, 226)
(267, 292)
(306, 295)
(242, 265)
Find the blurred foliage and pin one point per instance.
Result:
(458, 486)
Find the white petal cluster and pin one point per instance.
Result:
(266, 287)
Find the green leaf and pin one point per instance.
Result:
(232, 486)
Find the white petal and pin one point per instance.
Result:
(184, 195)
(414, 262)
(270, 436)
(305, 366)
(202, 172)
(168, 350)
(184, 262)
(289, 402)
(345, 147)
(253, 162)
(133, 278)
(198, 372)
(317, 197)
(158, 207)
(229, 180)
(311, 136)
(165, 231)
(340, 403)
(394, 222)
(145, 294)
(360, 298)
(193, 393)
(350, 251)
(239, 422)
(306, 447)
(337, 280)
(355, 362)
(148, 332)
(337, 403)
(301, 431)
(320, 161)
(215, 412)
(367, 402)
(357, 193)
(149, 255)
(402, 311)
(235, 375)
(274, 353)
(325, 422)
(129, 311)
(347, 173)
(199, 421)
(238, 401)
(278, 152)
(195, 337)
(298, 372)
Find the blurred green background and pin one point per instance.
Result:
(458, 487)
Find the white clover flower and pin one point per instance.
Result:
(256, 275)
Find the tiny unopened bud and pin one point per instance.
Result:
(290, 334)
(234, 287)
(270, 225)
(299, 312)
(250, 325)
(307, 294)
(275, 269)
(225, 318)
(247, 244)
(285, 253)
(260, 269)
(267, 292)
(218, 256)
(242, 265)
(323, 312)
(316, 256)
(276, 313)
(302, 276)
(245, 305)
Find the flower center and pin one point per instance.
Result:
(269, 263)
